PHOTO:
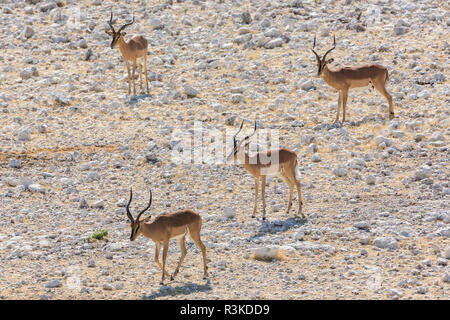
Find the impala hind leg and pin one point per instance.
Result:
(194, 232)
(182, 243)
(145, 68)
(140, 75)
(339, 107)
(294, 181)
(291, 190)
(381, 89)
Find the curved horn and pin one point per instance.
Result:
(149, 204)
(314, 45)
(240, 128)
(334, 47)
(254, 130)
(126, 25)
(128, 206)
(110, 22)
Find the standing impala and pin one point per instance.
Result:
(166, 227)
(131, 50)
(282, 162)
(344, 79)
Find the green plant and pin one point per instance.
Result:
(99, 235)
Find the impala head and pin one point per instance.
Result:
(136, 224)
(321, 63)
(238, 144)
(116, 35)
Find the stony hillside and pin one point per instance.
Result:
(73, 142)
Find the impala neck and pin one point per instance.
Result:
(148, 229)
(242, 157)
(327, 75)
(123, 46)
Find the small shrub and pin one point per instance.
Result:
(99, 235)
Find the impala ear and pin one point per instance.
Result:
(109, 32)
(123, 33)
(147, 219)
(330, 60)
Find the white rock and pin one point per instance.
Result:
(36, 188)
(228, 212)
(447, 253)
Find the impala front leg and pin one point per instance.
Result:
(263, 194)
(338, 107)
(255, 207)
(129, 77)
(165, 249)
(134, 82)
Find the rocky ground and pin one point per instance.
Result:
(72, 142)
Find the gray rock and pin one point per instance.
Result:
(55, 283)
(156, 23)
(278, 42)
(340, 172)
(28, 32)
(422, 173)
(386, 243)
(308, 85)
(370, 180)
(14, 163)
(190, 92)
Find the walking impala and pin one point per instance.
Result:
(131, 50)
(280, 162)
(344, 79)
(166, 227)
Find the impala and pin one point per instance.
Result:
(131, 50)
(344, 79)
(165, 227)
(280, 162)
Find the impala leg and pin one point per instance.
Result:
(255, 207)
(338, 107)
(344, 104)
(263, 195)
(140, 75)
(145, 68)
(294, 180)
(129, 77)
(182, 243)
(157, 248)
(194, 232)
(291, 191)
(381, 89)
(165, 249)
(134, 82)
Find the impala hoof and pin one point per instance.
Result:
(171, 278)
(391, 116)
(264, 218)
(253, 216)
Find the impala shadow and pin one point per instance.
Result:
(277, 226)
(183, 289)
